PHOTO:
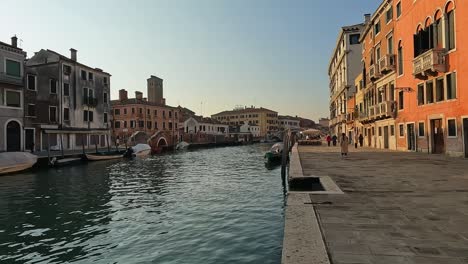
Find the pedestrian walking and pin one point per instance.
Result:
(328, 140)
(334, 139)
(356, 140)
(344, 145)
(361, 140)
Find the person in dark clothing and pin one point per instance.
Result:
(328, 140)
(361, 140)
(334, 139)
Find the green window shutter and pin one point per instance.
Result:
(13, 68)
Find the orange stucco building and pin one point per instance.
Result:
(431, 83)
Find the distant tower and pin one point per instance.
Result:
(155, 90)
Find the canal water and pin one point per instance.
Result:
(207, 206)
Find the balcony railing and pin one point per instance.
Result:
(429, 63)
(374, 73)
(90, 101)
(5, 78)
(387, 63)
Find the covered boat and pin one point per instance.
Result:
(275, 154)
(138, 150)
(182, 145)
(11, 162)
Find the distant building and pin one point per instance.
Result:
(266, 119)
(199, 129)
(11, 97)
(252, 129)
(324, 122)
(66, 103)
(155, 90)
(306, 123)
(289, 122)
(345, 65)
(138, 120)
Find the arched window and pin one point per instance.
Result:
(450, 26)
(438, 32)
(400, 58)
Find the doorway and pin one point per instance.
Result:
(465, 135)
(369, 137)
(411, 137)
(385, 132)
(13, 138)
(438, 146)
(29, 140)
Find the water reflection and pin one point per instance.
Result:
(208, 206)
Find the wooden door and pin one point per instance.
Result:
(386, 139)
(411, 137)
(437, 136)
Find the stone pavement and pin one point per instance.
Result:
(398, 207)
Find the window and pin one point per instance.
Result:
(125, 124)
(438, 32)
(13, 98)
(105, 117)
(53, 86)
(31, 82)
(66, 70)
(440, 90)
(116, 111)
(141, 123)
(90, 76)
(452, 127)
(83, 75)
(148, 111)
(170, 126)
(156, 125)
(66, 114)
(450, 45)
(398, 9)
(164, 125)
(421, 94)
(392, 130)
(148, 124)
(402, 130)
(155, 112)
(451, 86)
(140, 110)
(390, 44)
(105, 80)
(430, 92)
(117, 124)
(400, 60)
(105, 98)
(377, 54)
(389, 14)
(66, 89)
(52, 113)
(90, 116)
(125, 111)
(133, 110)
(421, 132)
(85, 115)
(354, 39)
(170, 114)
(132, 123)
(377, 28)
(400, 100)
(380, 131)
(31, 110)
(13, 68)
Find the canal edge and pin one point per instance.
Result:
(302, 241)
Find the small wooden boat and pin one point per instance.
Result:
(275, 154)
(61, 162)
(118, 154)
(139, 150)
(11, 162)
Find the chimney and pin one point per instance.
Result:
(139, 95)
(123, 95)
(14, 41)
(73, 54)
(367, 18)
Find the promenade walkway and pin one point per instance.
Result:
(397, 207)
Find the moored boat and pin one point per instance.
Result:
(275, 154)
(110, 155)
(139, 150)
(11, 162)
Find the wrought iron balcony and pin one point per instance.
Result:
(429, 63)
(387, 63)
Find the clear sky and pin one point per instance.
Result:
(212, 54)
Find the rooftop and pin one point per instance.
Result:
(245, 110)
